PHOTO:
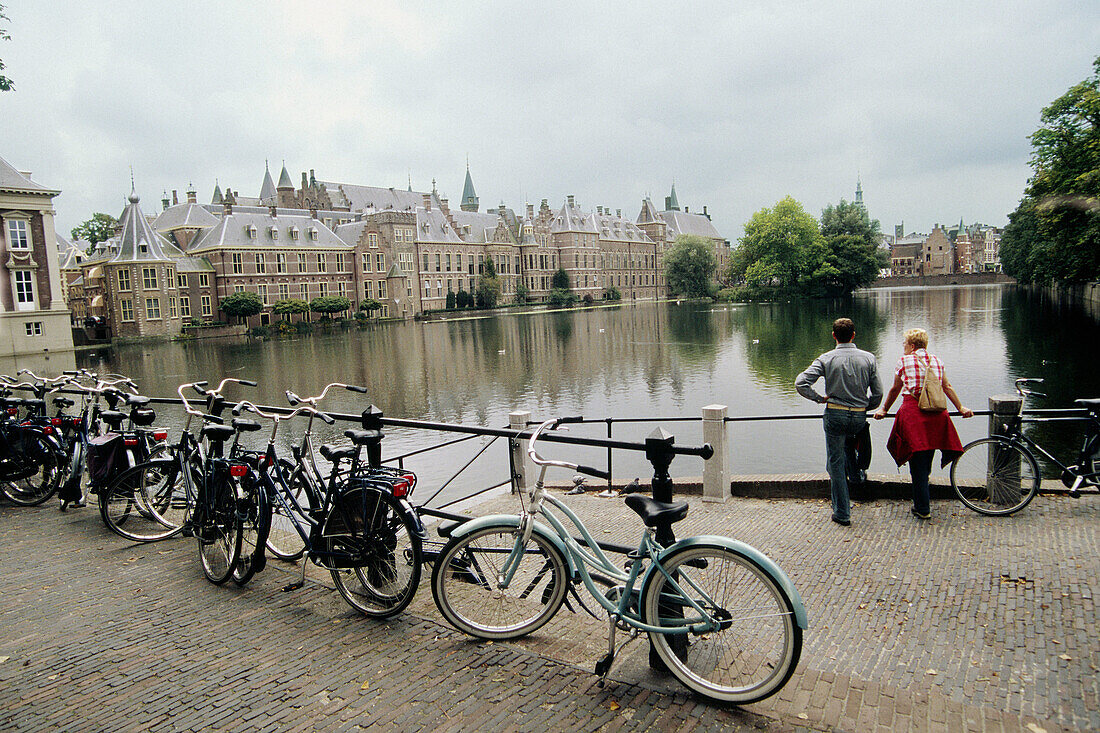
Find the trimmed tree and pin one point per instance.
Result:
(690, 266)
(289, 307)
(242, 305)
(329, 304)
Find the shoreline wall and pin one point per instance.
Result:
(976, 278)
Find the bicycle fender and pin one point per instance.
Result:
(764, 562)
(414, 518)
(512, 521)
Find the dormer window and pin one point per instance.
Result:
(250, 230)
(294, 232)
(313, 233)
(274, 232)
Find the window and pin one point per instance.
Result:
(458, 262)
(181, 281)
(284, 291)
(263, 294)
(24, 290)
(204, 279)
(372, 240)
(380, 262)
(406, 260)
(322, 289)
(322, 263)
(294, 233)
(381, 289)
(274, 232)
(302, 266)
(261, 263)
(439, 288)
(251, 231)
(313, 233)
(280, 262)
(169, 275)
(18, 236)
(152, 308)
(339, 261)
(149, 278)
(185, 306)
(126, 309)
(172, 309)
(204, 302)
(238, 263)
(437, 261)
(368, 289)
(426, 268)
(238, 288)
(34, 328)
(366, 262)
(124, 280)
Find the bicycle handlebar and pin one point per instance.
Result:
(540, 461)
(1023, 387)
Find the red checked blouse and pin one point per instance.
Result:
(914, 429)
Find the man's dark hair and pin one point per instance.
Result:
(844, 329)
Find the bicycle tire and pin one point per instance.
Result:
(158, 487)
(759, 643)
(283, 539)
(995, 476)
(378, 560)
(218, 529)
(464, 583)
(255, 516)
(43, 483)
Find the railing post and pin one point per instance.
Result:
(1003, 419)
(1005, 411)
(658, 449)
(716, 472)
(372, 423)
(518, 421)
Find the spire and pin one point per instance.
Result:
(267, 189)
(217, 199)
(469, 197)
(284, 179)
(411, 182)
(671, 204)
(859, 193)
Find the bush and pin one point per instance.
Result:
(588, 299)
(452, 300)
(561, 298)
(262, 332)
(612, 293)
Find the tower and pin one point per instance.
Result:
(671, 204)
(859, 194)
(469, 196)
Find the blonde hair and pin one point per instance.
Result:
(918, 337)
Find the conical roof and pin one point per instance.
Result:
(469, 196)
(673, 204)
(267, 189)
(284, 179)
(138, 241)
(217, 199)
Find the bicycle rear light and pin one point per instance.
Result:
(13, 410)
(237, 470)
(160, 435)
(57, 421)
(130, 442)
(401, 488)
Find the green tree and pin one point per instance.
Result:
(99, 228)
(560, 280)
(852, 238)
(1055, 232)
(488, 286)
(329, 304)
(289, 307)
(370, 305)
(463, 299)
(561, 290)
(452, 300)
(782, 247)
(6, 84)
(242, 305)
(522, 293)
(690, 266)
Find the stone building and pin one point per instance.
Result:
(33, 316)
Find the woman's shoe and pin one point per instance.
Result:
(64, 504)
(918, 515)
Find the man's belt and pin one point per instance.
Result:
(831, 406)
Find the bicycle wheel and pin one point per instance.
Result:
(466, 589)
(995, 476)
(38, 467)
(757, 645)
(146, 503)
(218, 529)
(376, 553)
(255, 516)
(283, 539)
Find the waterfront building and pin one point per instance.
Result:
(34, 318)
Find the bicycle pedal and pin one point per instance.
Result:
(1075, 494)
(187, 532)
(603, 665)
(292, 586)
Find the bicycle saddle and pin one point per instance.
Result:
(63, 402)
(136, 400)
(217, 433)
(653, 512)
(1092, 405)
(360, 437)
(112, 418)
(332, 454)
(32, 404)
(242, 425)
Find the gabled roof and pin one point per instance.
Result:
(681, 222)
(194, 264)
(616, 228)
(432, 226)
(71, 255)
(182, 216)
(649, 213)
(374, 198)
(572, 219)
(232, 231)
(138, 242)
(13, 180)
(475, 227)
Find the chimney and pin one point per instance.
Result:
(274, 213)
(531, 212)
(175, 197)
(164, 201)
(227, 204)
(305, 181)
(312, 212)
(570, 200)
(192, 197)
(685, 209)
(445, 207)
(599, 210)
(619, 213)
(705, 213)
(427, 202)
(312, 178)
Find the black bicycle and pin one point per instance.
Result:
(1000, 475)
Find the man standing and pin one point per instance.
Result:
(852, 387)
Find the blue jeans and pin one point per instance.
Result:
(920, 465)
(839, 426)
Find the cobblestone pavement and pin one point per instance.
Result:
(963, 623)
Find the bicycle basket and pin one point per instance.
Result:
(359, 509)
(106, 456)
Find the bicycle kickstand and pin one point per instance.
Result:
(301, 578)
(603, 664)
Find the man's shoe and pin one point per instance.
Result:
(842, 522)
(918, 515)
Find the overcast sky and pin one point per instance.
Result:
(739, 103)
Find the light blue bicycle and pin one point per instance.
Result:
(724, 619)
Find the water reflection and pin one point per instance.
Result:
(638, 360)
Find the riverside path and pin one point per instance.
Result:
(963, 623)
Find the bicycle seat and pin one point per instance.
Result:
(241, 425)
(217, 433)
(112, 418)
(1092, 405)
(332, 454)
(360, 437)
(653, 512)
(63, 402)
(32, 404)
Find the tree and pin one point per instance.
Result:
(561, 290)
(522, 293)
(289, 307)
(463, 299)
(854, 257)
(242, 305)
(488, 286)
(1055, 232)
(690, 266)
(782, 247)
(370, 305)
(560, 280)
(99, 228)
(6, 84)
(329, 304)
(451, 300)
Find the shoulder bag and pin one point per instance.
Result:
(932, 398)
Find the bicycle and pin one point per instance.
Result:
(31, 453)
(999, 475)
(356, 527)
(722, 616)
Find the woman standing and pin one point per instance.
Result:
(918, 433)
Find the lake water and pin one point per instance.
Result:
(661, 360)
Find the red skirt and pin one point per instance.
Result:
(917, 430)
